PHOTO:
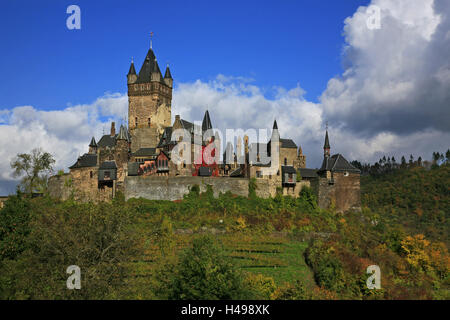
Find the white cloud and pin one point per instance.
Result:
(65, 133)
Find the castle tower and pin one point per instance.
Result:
(121, 151)
(149, 103)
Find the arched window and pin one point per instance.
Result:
(285, 161)
(91, 174)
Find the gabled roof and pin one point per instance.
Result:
(288, 169)
(107, 141)
(337, 163)
(108, 165)
(143, 152)
(308, 173)
(288, 143)
(86, 160)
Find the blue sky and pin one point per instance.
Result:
(277, 43)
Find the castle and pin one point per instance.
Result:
(157, 159)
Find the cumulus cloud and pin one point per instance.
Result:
(396, 78)
(64, 133)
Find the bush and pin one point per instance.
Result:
(206, 273)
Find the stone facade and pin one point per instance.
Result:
(341, 191)
(174, 188)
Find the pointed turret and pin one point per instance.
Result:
(326, 146)
(275, 132)
(168, 77)
(93, 146)
(206, 124)
(93, 143)
(156, 72)
(131, 76)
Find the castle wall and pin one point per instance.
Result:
(174, 188)
(79, 184)
(344, 194)
(290, 154)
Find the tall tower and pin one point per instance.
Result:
(149, 103)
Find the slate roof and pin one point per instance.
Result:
(206, 124)
(86, 160)
(132, 69)
(108, 165)
(168, 75)
(150, 65)
(288, 169)
(288, 143)
(107, 141)
(93, 143)
(327, 141)
(337, 163)
(166, 138)
(308, 173)
(142, 152)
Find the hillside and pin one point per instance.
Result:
(251, 248)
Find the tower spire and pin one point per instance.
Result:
(326, 146)
(151, 39)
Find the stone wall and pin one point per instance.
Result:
(174, 188)
(79, 184)
(344, 193)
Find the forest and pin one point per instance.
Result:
(233, 247)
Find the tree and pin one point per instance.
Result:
(206, 272)
(419, 161)
(36, 167)
(403, 163)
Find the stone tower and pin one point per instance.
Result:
(149, 102)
